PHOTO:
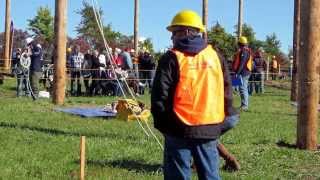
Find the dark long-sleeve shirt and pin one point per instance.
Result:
(162, 97)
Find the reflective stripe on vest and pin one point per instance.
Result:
(199, 96)
(237, 60)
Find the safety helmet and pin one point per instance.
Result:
(69, 50)
(117, 50)
(187, 18)
(243, 40)
(29, 40)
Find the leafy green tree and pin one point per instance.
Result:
(42, 25)
(272, 44)
(220, 39)
(254, 43)
(18, 39)
(89, 30)
(249, 33)
(146, 44)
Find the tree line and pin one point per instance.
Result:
(41, 27)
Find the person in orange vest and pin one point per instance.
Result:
(242, 66)
(191, 102)
(274, 69)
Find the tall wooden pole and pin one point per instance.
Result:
(136, 39)
(7, 37)
(60, 52)
(136, 26)
(309, 51)
(296, 36)
(205, 18)
(240, 18)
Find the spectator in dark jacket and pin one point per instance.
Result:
(35, 52)
(76, 61)
(260, 67)
(87, 70)
(146, 67)
(96, 75)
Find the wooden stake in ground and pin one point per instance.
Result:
(7, 37)
(309, 52)
(205, 18)
(60, 52)
(82, 157)
(296, 35)
(240, 18)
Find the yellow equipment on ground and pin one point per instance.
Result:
(129, 110)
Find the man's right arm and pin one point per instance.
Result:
(163, 85)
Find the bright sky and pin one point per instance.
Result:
(265, 16)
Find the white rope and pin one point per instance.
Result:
(133, 96)
(99, 23)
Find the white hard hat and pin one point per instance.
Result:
(29, 40)
(117, 50)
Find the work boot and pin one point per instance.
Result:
(231, 162)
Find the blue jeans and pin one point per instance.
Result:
(178, 153)
(251, 84)
(244, 91)
(22, 84)
(259, 82)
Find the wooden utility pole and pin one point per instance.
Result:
(296, 35)
(136, 26)
(240, 18)
(205, 18)
(136, 39)
(308, 82)
(60, 21)
(7, 37)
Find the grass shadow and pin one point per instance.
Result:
(130, 165)
(284, 144)
(57, 132)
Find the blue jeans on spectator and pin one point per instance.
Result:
(259, 82)
(22, 84)
(244, 94)
(178, 153)
(251, 84)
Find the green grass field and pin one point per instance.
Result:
(38, 143)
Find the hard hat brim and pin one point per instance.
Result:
(171, 27)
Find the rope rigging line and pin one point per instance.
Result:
(99, 22)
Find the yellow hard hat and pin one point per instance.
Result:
(187, 18)
(69, 50)
(243, 40)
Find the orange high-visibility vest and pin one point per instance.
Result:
(237, 60)
(199, 96)
(274, 64)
